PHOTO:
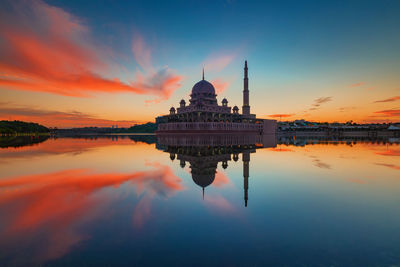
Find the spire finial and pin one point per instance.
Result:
(203, 73)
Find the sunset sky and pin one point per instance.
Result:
(103, 63)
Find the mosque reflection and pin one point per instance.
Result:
(203, 153)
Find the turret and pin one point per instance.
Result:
(182, 103)
(224, 102)
(172, 111)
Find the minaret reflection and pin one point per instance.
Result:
(246, 163)
(204, 152)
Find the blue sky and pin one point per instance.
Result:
(298, 51)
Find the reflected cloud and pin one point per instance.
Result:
(392, 166)
(55, 205)
(318, 163)
(219, 203)
(19, 147)
(393, 153)
(279, 149)
(221, 179)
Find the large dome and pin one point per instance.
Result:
(203, 180)
(203, 87)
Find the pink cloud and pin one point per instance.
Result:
(221, 179)
(218, 62)
(220, 85)
(141, 52)
(219, 203)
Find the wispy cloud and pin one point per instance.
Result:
(389, 112)
(345, 109)
(392, 166)
(320, 101)
(318, 163)
(282, 115)
(46, 49)
(218, 62)
(391, 99)
(357, 84)
(161, 81)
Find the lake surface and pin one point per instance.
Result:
(199, 201)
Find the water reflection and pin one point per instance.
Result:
(20, 141)
(204, 152)
(68, 201)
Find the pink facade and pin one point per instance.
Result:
(204, 114)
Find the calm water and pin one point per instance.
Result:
(139, 200)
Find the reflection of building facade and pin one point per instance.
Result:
(203, 153)
(203, 114)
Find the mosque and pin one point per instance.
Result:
(204, 114)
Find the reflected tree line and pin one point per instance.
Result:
(20, 141)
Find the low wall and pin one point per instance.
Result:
(209, 127)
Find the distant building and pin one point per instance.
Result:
(203, 114)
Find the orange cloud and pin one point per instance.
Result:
(46, 49)
(280, 115)
(58, 118)
(57, 203)
(392, 99)
(220, 85)
(389, 112)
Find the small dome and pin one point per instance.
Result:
(172, 109)
(182, 101)
(224, 100)
(235, 108)
(203, 87)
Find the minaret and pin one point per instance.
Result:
(246, 105)
(246, 161)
